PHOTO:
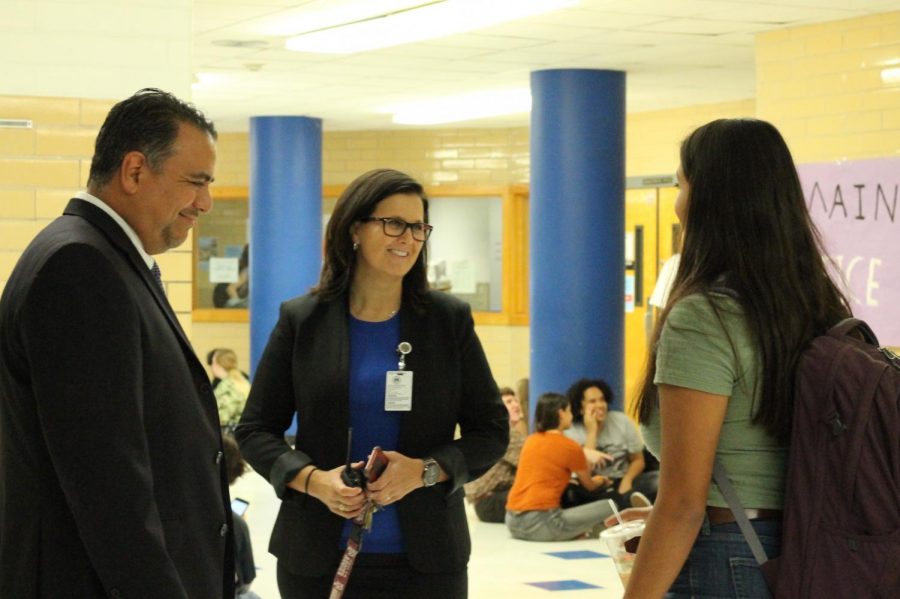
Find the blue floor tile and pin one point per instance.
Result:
(563, 585)
(585, 554)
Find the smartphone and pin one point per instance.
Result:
(376, 465)
(239, 506)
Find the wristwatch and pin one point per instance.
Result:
(431, 473)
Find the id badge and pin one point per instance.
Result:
(398, 391)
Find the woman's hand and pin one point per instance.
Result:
(401, 476)
(327, 487)
(624, 486)
(632, 513)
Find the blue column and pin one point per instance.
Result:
(285, 217)
(577, 223)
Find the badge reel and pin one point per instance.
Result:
(398, 383)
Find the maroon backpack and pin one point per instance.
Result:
(841, 521)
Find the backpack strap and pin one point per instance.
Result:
(848, 325)
(720, 476)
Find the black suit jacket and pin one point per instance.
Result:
(305, 370)
(110, 481)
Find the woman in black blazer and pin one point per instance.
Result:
(332, 360)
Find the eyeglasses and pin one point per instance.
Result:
(396, 227)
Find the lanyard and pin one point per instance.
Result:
(361, 525)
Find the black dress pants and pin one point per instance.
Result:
(377, 576)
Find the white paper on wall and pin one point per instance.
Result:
(223, 270)
(462, 276)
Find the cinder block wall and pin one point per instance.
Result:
(821, 86)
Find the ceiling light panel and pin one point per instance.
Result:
(429, 21)
(452, 109)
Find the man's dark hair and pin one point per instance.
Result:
(146, 122)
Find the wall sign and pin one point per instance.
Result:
(854, 205)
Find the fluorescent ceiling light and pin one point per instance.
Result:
(891, 76)
(467, 107)
(427, 20)
(207, 80)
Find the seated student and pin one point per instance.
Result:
(233, 388)
(546, 464)
(244, 566)
(489, 492)
(611, 433)
(210, 360)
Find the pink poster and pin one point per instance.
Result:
(854, 205)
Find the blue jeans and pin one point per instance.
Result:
(721, 566)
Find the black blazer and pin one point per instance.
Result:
(110, 477)
(304, 370)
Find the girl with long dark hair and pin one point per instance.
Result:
(751, 291)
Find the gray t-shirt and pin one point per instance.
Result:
(619, 438)
(698, 351)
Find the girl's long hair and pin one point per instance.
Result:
(748, 229)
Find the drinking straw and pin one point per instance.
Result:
(615, 510)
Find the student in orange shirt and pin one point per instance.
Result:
(548, 459)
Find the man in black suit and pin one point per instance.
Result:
(112, 482)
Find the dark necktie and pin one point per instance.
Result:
(154, 270)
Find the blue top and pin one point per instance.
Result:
(373, 352)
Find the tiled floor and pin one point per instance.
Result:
(500, 566)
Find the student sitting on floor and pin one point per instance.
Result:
(547, 462)
(614, 439)
(490, 492)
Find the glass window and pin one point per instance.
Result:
(466, 249)
(220, 268)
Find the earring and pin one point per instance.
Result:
(355, 245)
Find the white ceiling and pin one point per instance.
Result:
(675, 53)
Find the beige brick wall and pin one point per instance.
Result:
(478, 156)
(434, 157)
(42, 167)
(821, 86)
(652, 138)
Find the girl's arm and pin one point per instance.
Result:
(636, 465)
(691, 422)
(591, 482)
